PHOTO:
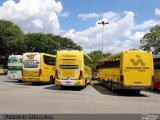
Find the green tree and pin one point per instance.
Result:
(96, 56)
(11, 40)
(14, 41)
(39, 42)
(151, 40)
(64, 43)
(48, 43)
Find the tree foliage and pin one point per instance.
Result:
(96, 56)
(151, 40)
(11, 40)
(39, 42)
(14, 41)
(47, 43)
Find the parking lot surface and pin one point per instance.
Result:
(24, 98)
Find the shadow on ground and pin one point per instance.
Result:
(105, 91)
(11, 81)
(65, 88)
(18, 82)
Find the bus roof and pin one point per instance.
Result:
(38, 53)
(156, 56)
(18, 56)
(118, 55)
(110, 57)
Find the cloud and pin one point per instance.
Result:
(147, 24)
(88, 16)
(108, 15)
(122, 33)
(65, 14)
(117, 35)
(33, 15)
(157, 11)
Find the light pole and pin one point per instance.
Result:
(103, 23)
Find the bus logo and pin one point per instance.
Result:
(138, 61)
(31, 56)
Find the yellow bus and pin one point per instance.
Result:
(156, 82)
(128, 70)
(38, 68)
(71, 69)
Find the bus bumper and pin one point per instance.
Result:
(69, 82)
(131, 87)
(15, 77)
(32, 79)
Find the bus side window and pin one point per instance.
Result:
(49, 60)
(156, 66)
(117, 64)
(105, 65)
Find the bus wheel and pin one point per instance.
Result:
(51, 80)
(153, 88)
(109, 85)
(34, 83)
(136, 92)
(85, 85)
(62, 87)
(112, 87)
(20, 81)
(98, 79)
(89, 82)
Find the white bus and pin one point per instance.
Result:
(15, 67)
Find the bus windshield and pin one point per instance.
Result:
(12, 60)
(157, 63)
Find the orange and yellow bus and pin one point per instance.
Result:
(72, 69)
(38, 68)
(156, 82)
(129, 70)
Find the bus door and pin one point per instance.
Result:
(48, 66)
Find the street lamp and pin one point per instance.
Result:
(103, 23)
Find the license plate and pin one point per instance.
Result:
(68, 82)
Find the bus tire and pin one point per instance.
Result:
(137, 92)
(109, 85)
(62, 87)
(153, 88)
(85, 84)
(98, 79)
(112, 86)
(89, 82)
(34, 83)
(51, 80)
(20, 81)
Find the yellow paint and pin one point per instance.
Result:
(69, 65)
(135, 66)
(31, 73)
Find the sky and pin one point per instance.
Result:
(78, 20)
